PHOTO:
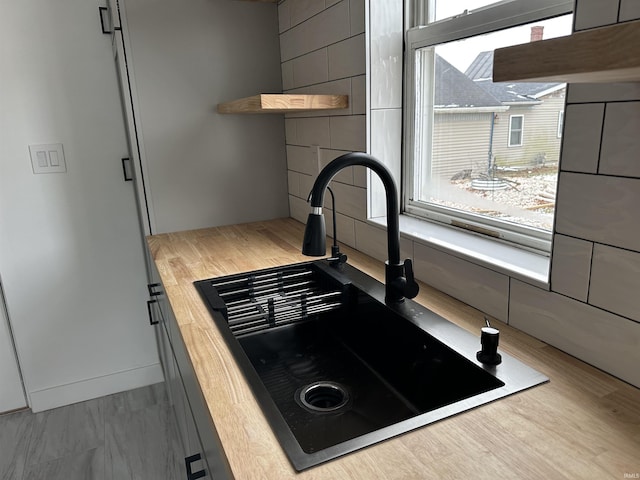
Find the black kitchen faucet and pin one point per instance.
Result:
(399, 280)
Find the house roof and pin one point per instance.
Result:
(481, 72)
(482, 67)
(455, 90)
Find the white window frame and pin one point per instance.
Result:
(511, 131)
(560, 123)
(497, 16)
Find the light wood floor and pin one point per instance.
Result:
(126, 436)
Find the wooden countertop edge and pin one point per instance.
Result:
(584, 420)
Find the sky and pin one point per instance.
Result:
(461, 53)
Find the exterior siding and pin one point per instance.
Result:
(540, 134)
(460, 142)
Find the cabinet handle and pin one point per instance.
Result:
(103, 24)
(193, 475)
(151, 320)
(127, 176)
(152, 292)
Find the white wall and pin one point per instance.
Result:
(207, 169)
(70, 248)
(591, 307)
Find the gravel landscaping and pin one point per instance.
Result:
(528, 199)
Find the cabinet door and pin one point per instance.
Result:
(207, 436)
(114, 14)
(195, 459)
(186, 427)
(11, 392)
(195, 427)
(173, 381)
(145, 209)
(156, 292)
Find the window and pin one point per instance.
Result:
(480, 155)
(560, 124)
(516, 126)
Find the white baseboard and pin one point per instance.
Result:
(62, 395)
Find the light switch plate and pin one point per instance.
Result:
(48, 158)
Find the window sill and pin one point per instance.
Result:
(530, 267)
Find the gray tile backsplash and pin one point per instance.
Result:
(598, 337)
(599, 208)
(311, 68)
(287, 75)
(357, 16)
(571, 267)
(301, 10)
(629, 10)
(603, 92)
(327, 27)
(346, 59)
(621, 140)
(325, 45)
(313, 131)
(595, 13)
(348, 133)
(300, 159)
(372, 240)
(478, 286)
(358, 98)
(284, 16)
(622, 295)
(581, 137)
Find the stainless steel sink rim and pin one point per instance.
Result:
(309, 394)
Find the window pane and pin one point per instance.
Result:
(560, 123)
(515, 130)
(447, 8)
(516, 123)
(483, 148)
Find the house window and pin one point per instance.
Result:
(444, 9)
(560, 124)
(516, 128)
(460, 167)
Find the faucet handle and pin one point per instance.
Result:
(411, 288)
(400, 283)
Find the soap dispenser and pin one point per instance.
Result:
(489, 339)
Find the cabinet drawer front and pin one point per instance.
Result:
(212, 452)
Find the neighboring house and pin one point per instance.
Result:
(479, 124)
(529, 133)
(462, 126)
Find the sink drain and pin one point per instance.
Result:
(323, 397)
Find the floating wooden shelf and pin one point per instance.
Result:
(606, 54)
(284, 103)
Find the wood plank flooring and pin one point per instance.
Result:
(126, 436)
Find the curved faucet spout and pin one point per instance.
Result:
(399, 275)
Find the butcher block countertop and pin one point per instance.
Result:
(583, 424)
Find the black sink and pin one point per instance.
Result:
(335, 369)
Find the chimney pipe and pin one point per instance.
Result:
(536, 33)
